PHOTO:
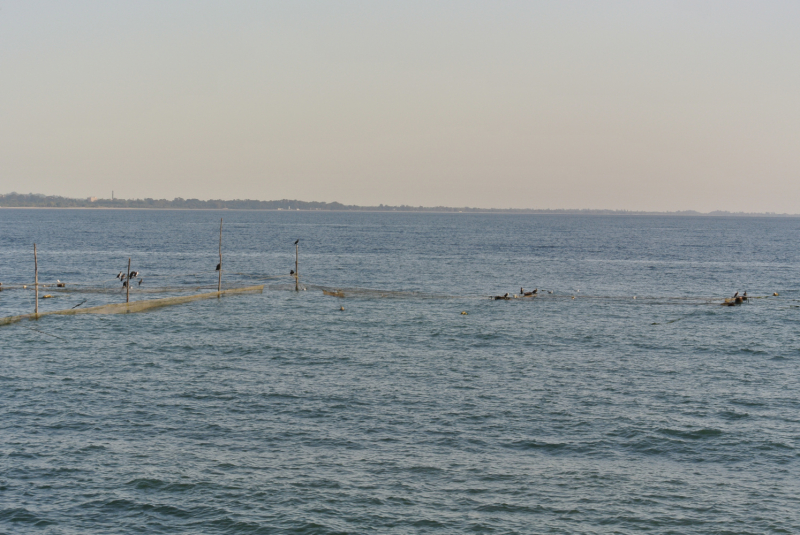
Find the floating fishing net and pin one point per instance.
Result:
(135, 306)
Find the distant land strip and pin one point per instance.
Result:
(35, 200)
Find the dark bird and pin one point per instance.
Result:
(140, 282)
(291, 272)
(124, 284)
(736, 295)
(298, 241)
(535, 290)
(120, 275)
(744, 295)
(218, 266)
(506, 295)
(133, 274)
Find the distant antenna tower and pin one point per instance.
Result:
(112, 194)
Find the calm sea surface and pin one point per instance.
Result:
(277, 412)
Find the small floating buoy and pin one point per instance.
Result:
(464, 313)
(634, 297)
(48, 296)
(573, 297)
(24, 287)
(341, 308)
(775, 294)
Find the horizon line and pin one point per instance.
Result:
(39, 200)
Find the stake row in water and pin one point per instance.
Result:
(127, 282)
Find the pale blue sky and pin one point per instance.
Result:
(624, 105)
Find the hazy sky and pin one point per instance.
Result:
(626, 105)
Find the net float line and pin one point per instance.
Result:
(136, 306)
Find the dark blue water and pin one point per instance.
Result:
(280, 413)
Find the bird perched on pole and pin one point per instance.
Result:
(296, 242)
(218, 267)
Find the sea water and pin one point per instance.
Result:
(279, 412)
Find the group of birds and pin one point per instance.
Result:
(130, 276)
(133, 274)
(522, 293)
(736, 299)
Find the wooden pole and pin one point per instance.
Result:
(296, 267)
(36, 280)
(219, 282)
(128, 286)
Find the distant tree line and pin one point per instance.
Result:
(34, 200)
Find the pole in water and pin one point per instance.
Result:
(219, 282)
(296, 266)
(36, 280)
(128, 285)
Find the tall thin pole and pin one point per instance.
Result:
(128, 286)
(36, 280)
(296, 267)
(219, 282)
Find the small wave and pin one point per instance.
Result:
(535, 445)
(510, 508)
(425, 470)
(24, 516)
(144, 483)
(692, 435)
(733, 415)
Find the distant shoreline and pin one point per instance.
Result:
(497, 211)
(42, 202)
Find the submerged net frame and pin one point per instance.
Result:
(136, 306)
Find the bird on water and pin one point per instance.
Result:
(140, 282)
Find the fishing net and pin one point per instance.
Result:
(136, 306)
